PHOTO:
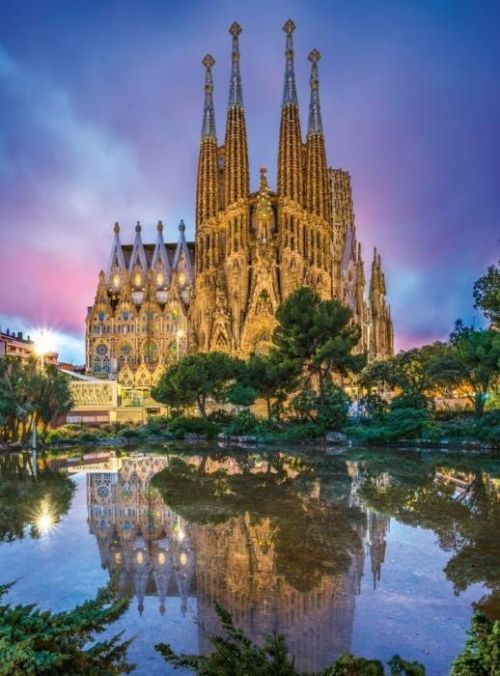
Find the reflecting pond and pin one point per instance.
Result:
(363, 551)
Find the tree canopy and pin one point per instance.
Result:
(29, 396)
(317, 336)
(195, 378)
(487, 294)
(472, 361)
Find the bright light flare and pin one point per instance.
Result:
(43, 341)
(45, 520)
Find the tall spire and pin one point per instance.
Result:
(290, 171)
(235, 92)
(207, 187)
(236, 172)
(289, 87)
(315, 125)
(208, 127)
(317, 198)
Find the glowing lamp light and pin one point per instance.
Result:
(159, 279)
(181, 535)
(180, 333)
(137, 279)
(139, 557)
(162, 296)
(161, 558)
(182, 278)
(116, 281)
(183, 558)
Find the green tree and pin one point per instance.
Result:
(242, 395)
(317, 337)
(197, 377)
(408, 371)
(18, 383)
(41, 642)
(472, 361)
(53, 398)
(270, 378)
(487, 294)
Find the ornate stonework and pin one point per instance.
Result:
(252, 249)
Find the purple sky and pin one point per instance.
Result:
(100, 116)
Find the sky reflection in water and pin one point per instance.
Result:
(369, 552)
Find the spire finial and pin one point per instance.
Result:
(289, 88)
(159, 226)
(315, 125)
(208, 126)
(138, 227)
(263, 185)
(235, 91)
(116, 228)
(182, 226)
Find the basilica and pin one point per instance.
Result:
(252, 249)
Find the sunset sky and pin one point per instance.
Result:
(100, 117)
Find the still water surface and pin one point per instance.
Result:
(372, 552)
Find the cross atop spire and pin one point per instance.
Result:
(289, 88)
(208, 126)
(315, 125)
(235, 91)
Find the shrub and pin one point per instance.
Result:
(332, 406)
(481, 654)
(181, 427)
(244, 423)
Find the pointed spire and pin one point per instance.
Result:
(236, 173)
(235, 91)
(182, 252)
(208, 127)
(116, 259)
(289, 87)
(315, 125)
(290, 154)
(159, 263)
(138, 256)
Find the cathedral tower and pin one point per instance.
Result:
(291, 217)
(236, 218)
(317, 197)
(207, 226)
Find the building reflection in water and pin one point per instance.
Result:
(157, 553)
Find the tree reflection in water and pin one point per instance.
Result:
(31, 505)
(282, 541)
(454, 496)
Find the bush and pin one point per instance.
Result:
(481, 654)
(332, 406)
(244, 423)
(131, 432)
(179, 428)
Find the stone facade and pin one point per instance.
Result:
(252, 249)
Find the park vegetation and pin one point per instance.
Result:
(315, 354)
(30, 397)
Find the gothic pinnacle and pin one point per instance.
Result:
(289, 87)
(235, 91)
(208, 127)
(315, 125)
